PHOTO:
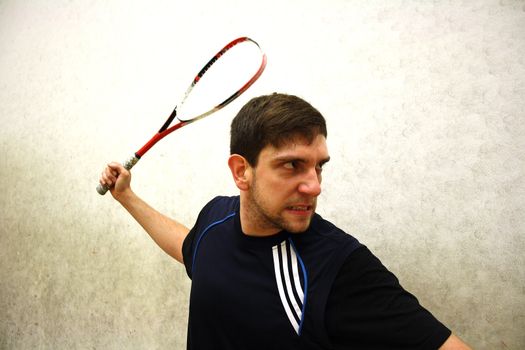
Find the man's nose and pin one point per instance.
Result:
(311, 184)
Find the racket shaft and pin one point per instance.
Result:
(128, 164)
(158, 136)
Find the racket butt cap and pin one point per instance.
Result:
(102, 189)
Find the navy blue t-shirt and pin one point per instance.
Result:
(276, 292)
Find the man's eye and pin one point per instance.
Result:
(290, 165)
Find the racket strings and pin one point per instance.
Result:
(232, 74)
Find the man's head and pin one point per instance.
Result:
(273, 120)
(278, 151)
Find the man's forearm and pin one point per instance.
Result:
(169, 234)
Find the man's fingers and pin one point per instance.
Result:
(116, 178)
(110, 174)
(106, 180)
(116, 169)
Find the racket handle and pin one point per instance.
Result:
(128, 164)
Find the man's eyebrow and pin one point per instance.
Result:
(287, 158)
(291, 157)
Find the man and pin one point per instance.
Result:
(267, 271)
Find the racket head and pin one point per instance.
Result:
(228, 74)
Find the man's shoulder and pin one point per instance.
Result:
(330, 232)
(327, 242)
(221, 206)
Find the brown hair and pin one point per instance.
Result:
(272, 120)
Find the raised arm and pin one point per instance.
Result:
(169, 234)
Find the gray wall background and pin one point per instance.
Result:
(425, 107)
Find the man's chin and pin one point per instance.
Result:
(297, 227)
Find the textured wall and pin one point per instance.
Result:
(425, 105)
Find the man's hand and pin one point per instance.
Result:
(117, 178)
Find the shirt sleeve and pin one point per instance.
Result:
(188, 246)
(187, 251)
(367, 308)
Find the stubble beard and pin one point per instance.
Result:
(264, 219)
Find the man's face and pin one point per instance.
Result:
(284, 186)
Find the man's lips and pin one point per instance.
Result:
(300, 209)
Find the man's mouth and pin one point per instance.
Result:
(300, 207)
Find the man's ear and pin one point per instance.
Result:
(241, 171)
